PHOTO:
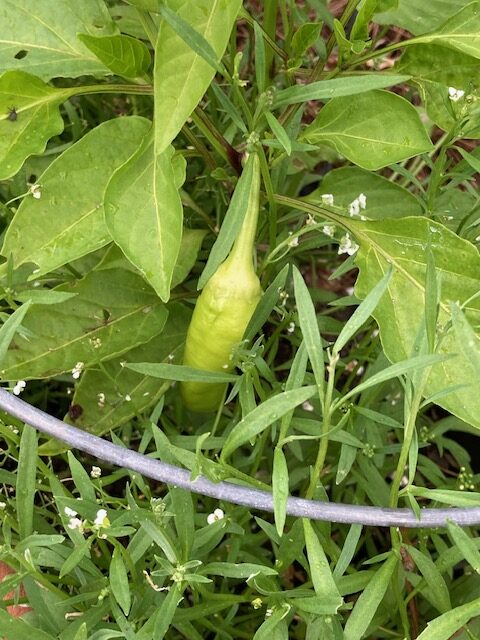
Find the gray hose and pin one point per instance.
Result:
(253, 498)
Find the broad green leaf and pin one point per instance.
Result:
(419, 17)
(320, 571)
(336, 88)
(385, 199)
(461, 31)
(369, 600)
(435, 590)
(400, 313)
(190, 246)
(181, 75)
(113, 312)
(126, 393)
(305, 37)
(434, 63)
(29, 117)
(445, 626)
(245, 195)
(263, 416)
(46, 36)
(26, 480)
(376, 129)
(467, 339)
(125, 56)
(43, 296)
(119, 581)
(144, 214)
(67, 222)
(10, 327)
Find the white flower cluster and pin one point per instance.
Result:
(217, 515)
(101, 519)
(357, 205)
(347, 245)
(455, 94)
(19, 387)
(77, 370)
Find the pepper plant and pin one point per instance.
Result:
(302, 177)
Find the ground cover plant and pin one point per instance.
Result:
(304, 176)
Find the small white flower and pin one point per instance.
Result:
(96, 342)
(256, 603)
(101, 519)
(347, 245)
(354, 208)
(35, 191)
(71, 513)
(293, 242)
(310, 221)
(101, 400)
(77, 370)
(308, 406)
(328, 230)
(96, 472)
(19, 387)
(215, 516)
(291, 327)
(128, 397)
(327, 198)
(455, 94)
(3, 506)
(362, 200)
(75, 523)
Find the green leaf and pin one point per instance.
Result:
(376, 129)
(418, 17)
(144, 214)
(446, 625)
(81, 479)
(348, 550)
(244, 196)
(29, 117)
(267, 630)
(241, 571)
(182, 75)
(279, 132)
(466, 545)
(467, 340)
(318, 605)
(436, 591)
(461, 31)
(361, 313)
(189, 248)
(263, 416)
(124, 55)
(126, 393)
(385, 199)
(448, 496)
(10, 327)
(310, 331)
(167, 610)
(280, 488)
(53, 51)
(433, 63)
(320, 572)
(179, 372)
(113, 312)
(67, 222)
(400, 313)
(26, 480)
(369, 600)
(119, 581)
(336, 88)
(305, 37)
(17, 628)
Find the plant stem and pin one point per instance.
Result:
(220, 144)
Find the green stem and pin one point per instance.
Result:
(347, 14)
(149, 26)
(327, 417)
(220, 144)
(139, 89)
